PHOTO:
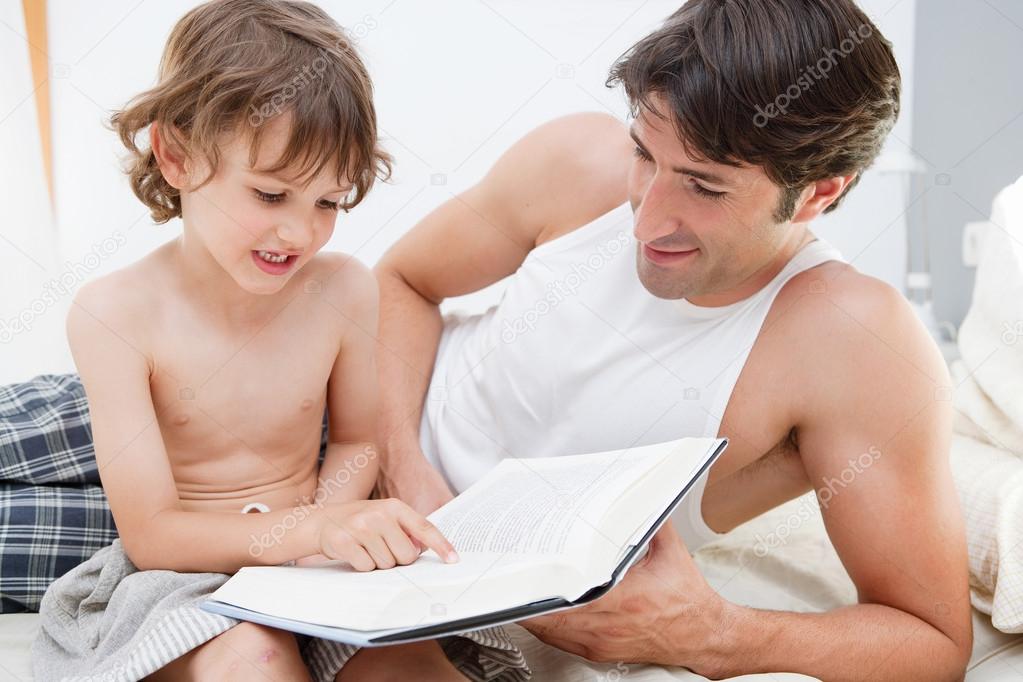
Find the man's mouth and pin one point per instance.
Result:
(274, 262)
(667, 257)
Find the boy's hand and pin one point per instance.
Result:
(371, 534)
(313, 560)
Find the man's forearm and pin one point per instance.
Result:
(410, 329)
(865, 641)
(348, 473)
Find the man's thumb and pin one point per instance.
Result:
(665, 542)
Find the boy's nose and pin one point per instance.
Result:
(294, 237)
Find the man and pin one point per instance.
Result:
(751, 119)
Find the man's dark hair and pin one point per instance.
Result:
(807, 89)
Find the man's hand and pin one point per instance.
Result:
(414, 481)
(662, 612)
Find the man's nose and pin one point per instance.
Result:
(654, 217)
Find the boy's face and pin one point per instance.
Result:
(261, 228)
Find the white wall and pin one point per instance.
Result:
(27, 240)
(457, 82)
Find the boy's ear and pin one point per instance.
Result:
(171, 159)
(818, 195)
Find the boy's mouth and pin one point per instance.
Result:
(273, 262)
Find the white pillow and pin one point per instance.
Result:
(990, 394)
(987, 450)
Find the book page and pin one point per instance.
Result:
(427, 591)
(529, 530)
(549, 506)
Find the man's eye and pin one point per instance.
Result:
(268, 197)
(641, 154)
(703, 191)
(330, 205)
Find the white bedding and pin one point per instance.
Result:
(803, 574)
(986, 452)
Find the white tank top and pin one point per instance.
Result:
(578, 357)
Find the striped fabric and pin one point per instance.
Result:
(53, 513)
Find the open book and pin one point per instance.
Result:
(533, 536)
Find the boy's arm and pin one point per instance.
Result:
(350, 466)
(156, 532)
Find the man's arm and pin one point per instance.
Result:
(873, 435)
(553, 180)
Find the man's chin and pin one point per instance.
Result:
(664, 282)
(665, 288)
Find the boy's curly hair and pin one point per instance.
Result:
(230, 66)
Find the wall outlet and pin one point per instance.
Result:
(973, 235)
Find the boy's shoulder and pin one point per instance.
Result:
(126, 291)
(342, 274)
(343, 281)
(120, 302)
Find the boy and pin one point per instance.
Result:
(208, 365)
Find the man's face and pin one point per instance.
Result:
(261, 228)
(704, 228)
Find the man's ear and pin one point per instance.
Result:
(818, 195)
(171, 159)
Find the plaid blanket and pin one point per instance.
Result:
(53, 513)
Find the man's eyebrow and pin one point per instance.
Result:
(702, 175)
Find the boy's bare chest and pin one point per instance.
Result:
(219, 391)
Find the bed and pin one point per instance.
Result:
(804, 574)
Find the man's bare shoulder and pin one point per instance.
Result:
(855, 335)
(567, 171)
(838, 291)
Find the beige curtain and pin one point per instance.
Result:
(31, 326)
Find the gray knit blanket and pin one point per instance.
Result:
(107, 621)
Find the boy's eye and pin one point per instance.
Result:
(268, 197)
(271, 198)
